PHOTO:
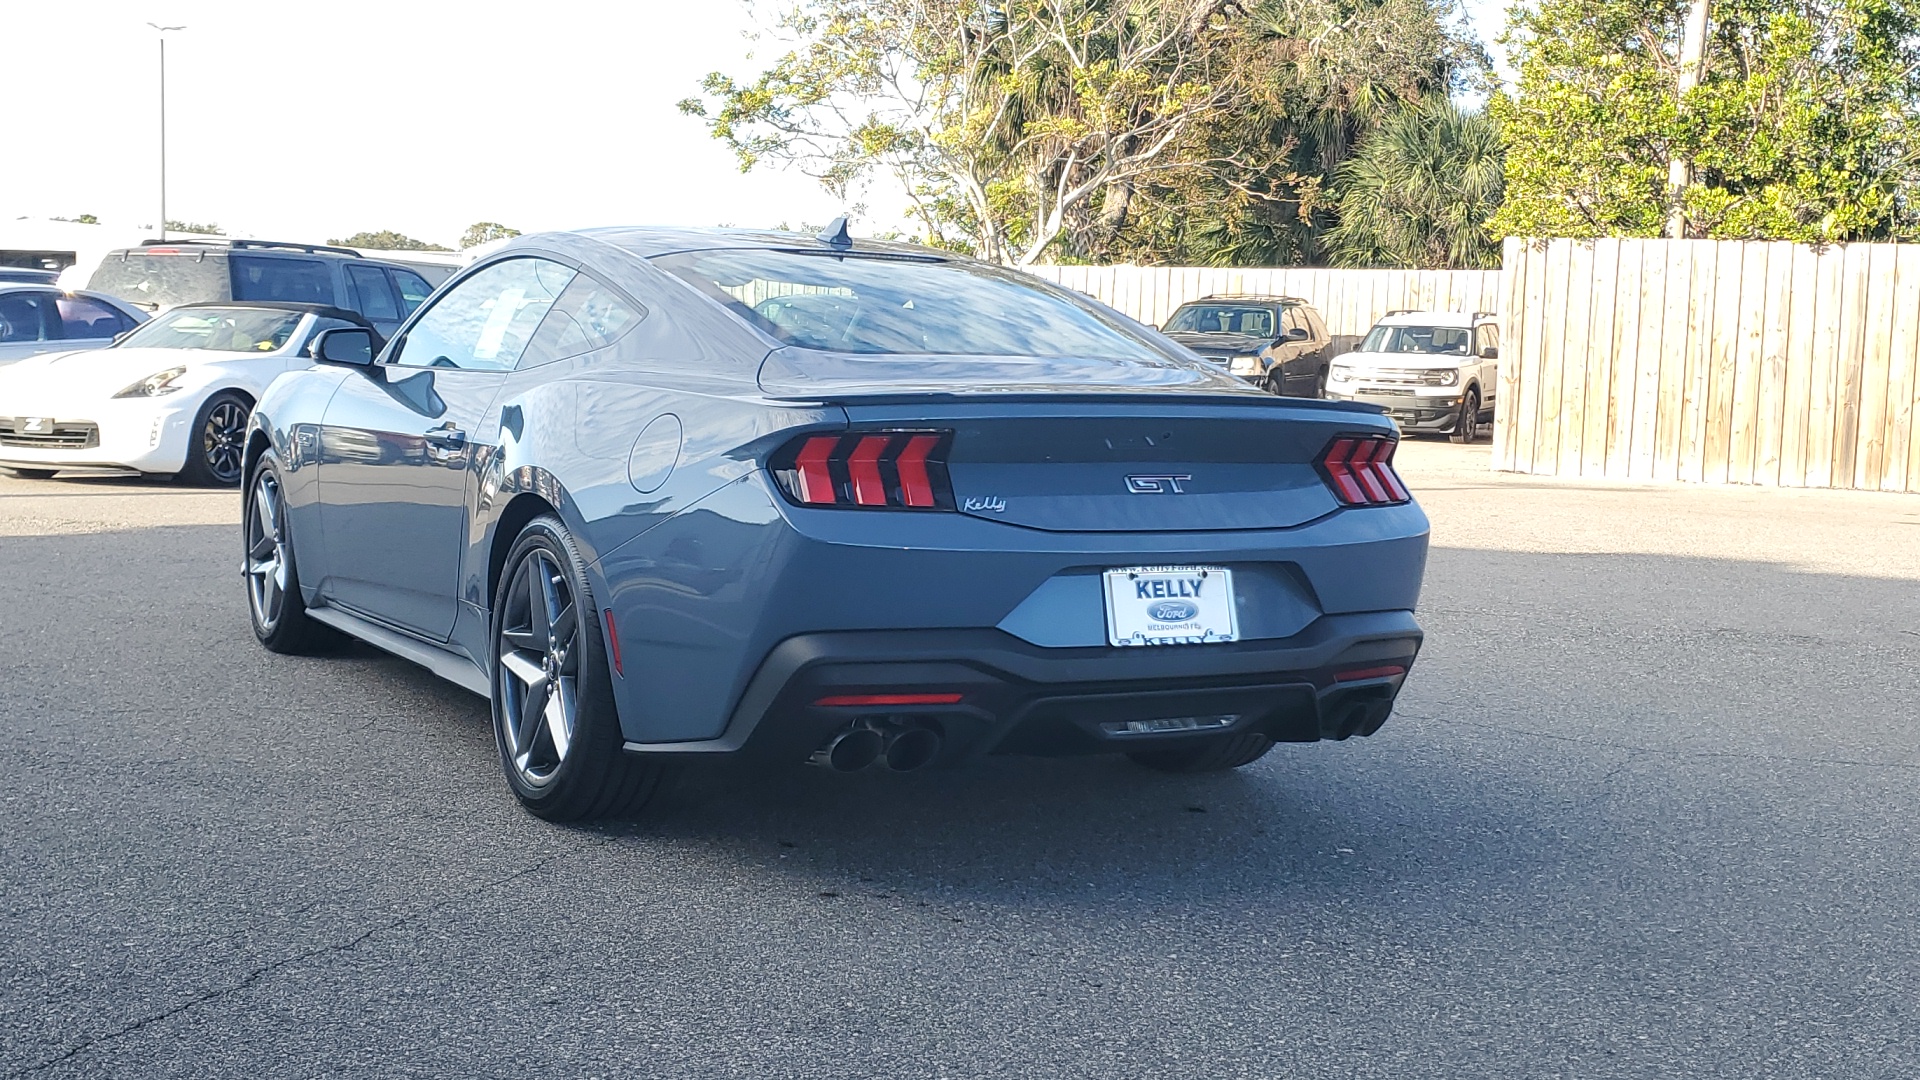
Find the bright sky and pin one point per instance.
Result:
(304, 121)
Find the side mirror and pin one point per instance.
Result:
(1491, 352)
(1298, 333)
(343, 345)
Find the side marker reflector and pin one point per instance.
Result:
(613, 642)
(869, 700)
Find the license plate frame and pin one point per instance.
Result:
(1129, 592)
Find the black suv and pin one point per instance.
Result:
(163, 274)
(1279, 342)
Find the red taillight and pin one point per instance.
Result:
(844, 701)
(876, 469)
(1359, 469)
(1362, 674)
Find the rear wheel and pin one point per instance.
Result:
(554, 720)
(1466, 427)
(216, 447)
(1213, 755)
(278, 613)
(31, 474)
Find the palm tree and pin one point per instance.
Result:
(1420, 190)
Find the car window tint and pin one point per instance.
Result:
(484, 322)
(1223, 319)
(371, 295)
(82, 317)
(1291, 319)
(414, 289)
(589, 315)
(21, 314)
(302, 281)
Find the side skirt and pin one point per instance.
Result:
(457, 670)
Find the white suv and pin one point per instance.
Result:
(1431, 370)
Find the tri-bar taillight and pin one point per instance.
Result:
(878, 470)
(1359, 469)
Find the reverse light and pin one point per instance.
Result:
(154, 385)
(867, 470)
(1359, 469)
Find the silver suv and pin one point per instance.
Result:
(1431, 370)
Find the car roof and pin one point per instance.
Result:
(1435, 318)
(1246, 298)
(325, 311)
(647, 241)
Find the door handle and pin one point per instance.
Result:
(446, 437)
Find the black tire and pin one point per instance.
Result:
(216, 444)
(591, 776)
(1466, 426)
(1213, 755)
(275, 608)
(31, 474)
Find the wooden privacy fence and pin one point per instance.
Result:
(1713, 361)
(1349, 300)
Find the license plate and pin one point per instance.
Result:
(1170, 605)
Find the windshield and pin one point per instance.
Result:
(863, 304)
(1223, 319)
(1432, 340)
(226, 329)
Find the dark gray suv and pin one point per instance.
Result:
(165, 274)
(1279, 342)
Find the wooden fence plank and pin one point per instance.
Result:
(1803, 293)
(1534, 310)
(1725, 349)
(1513, 254)
(1875, 361)
(1575, 358)
(1673, 361)
(1750, 334)
(1773, 364)
(1626, 336)
(1602, 356)
(1643, 412)
(1699, 360)
(1553, 352)
(1831, 303)
(1897, 414)
(1856, 289)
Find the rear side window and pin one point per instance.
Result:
(165, 279)
(901, 305)
(22, 315)
(589, 315)
(84, 318)
(485, 322)
(414, 289)
(300, 281)
(369, 292)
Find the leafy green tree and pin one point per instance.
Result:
(204, 228)
(482, 232)
(387, 240)
(1800, 124)
(1420, 191)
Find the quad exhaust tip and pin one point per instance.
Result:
(899, 747)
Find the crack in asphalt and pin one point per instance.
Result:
(261, 972)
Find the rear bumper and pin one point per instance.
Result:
(1336, 678)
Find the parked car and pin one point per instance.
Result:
(1431, 371)
(1279, 342)
(173, 396)
(37, 319)
(670, 493)
(163, 274)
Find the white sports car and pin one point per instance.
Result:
(173, 396)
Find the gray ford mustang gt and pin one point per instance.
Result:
(660, 493)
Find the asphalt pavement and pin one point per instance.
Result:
(1648, 808)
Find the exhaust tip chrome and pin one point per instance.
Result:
(850, 751)
(911, 748)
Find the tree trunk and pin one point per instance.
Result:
(1693, 68)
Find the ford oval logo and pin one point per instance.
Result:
(1172, 611)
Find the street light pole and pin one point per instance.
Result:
(163, 123)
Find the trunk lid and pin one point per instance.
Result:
(1144, 463)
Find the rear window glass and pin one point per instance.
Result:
(164, 280)
(863, 304)
(1223, 319)
(226, 329)
(302, 281)
(1436, 340)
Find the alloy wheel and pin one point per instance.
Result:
(539, 659)
(266, 553)
(223, 439)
